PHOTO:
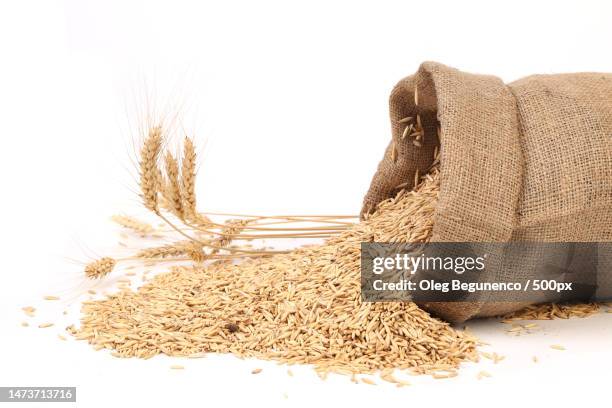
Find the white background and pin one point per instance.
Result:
(288, 103)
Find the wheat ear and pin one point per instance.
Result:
(189, 248)
(232, 228)
(149, 172)
(172, 188)
(100, 267)
(188, 175)
(133, 224)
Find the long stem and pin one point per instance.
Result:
(270, 236)
(246, 227)
(340, 226)
(281, 216)
(322, 233)
(210, 245)
(305, 221)
(322, 228)
(178, 259)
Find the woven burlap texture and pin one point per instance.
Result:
(525, 161)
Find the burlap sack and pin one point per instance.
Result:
(527, 161)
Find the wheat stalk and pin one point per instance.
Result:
(174, 191)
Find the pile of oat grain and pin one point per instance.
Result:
(300, 307)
